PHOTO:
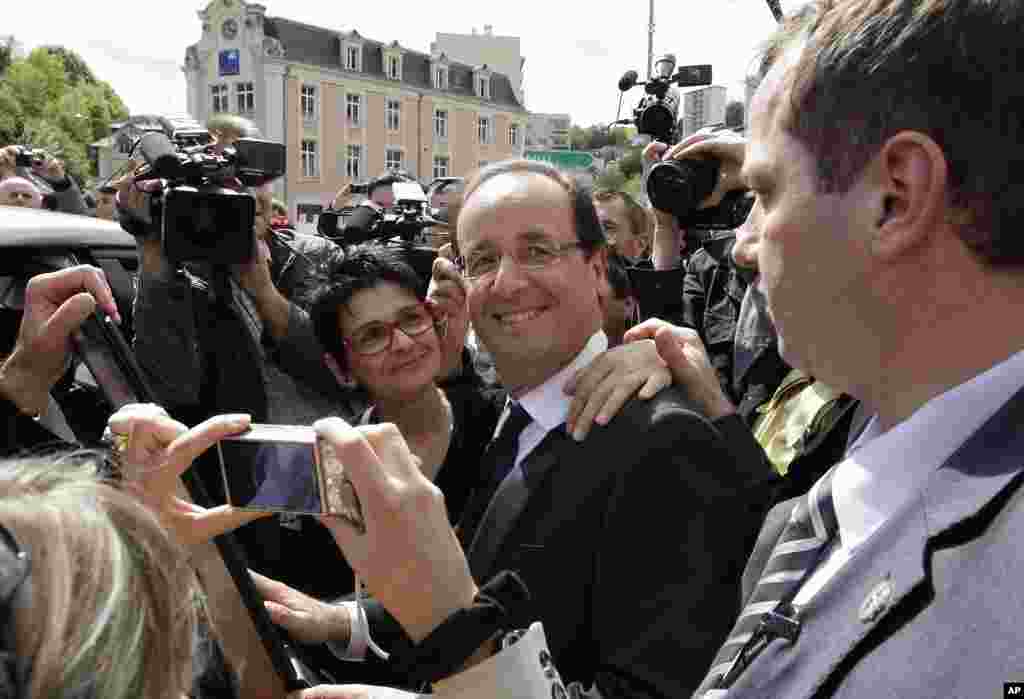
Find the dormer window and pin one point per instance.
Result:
(352, 51)
(439, 71)
(482, 82)
(393, 61)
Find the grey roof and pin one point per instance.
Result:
(311, 45)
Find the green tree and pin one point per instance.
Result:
(5, 58)
(75, 68)
(631, 163)
(52, 99)
(611, 179)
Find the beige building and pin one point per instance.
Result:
(703, 107)
(348, 106)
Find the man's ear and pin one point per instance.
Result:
(913, 176)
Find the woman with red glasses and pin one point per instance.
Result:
(373, 319)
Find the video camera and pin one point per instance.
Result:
(405, 221)
(198, 210)
(678, 186)
(657, 114)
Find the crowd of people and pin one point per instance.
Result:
(803, 478)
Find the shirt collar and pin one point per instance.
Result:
(547, 404)
(884, 470)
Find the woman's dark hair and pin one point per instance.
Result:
(359, 267)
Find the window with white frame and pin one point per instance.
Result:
(392, 114)
(393, 159)
(246, 97)
(353, 109)
(310, 162)
(219, 94)
(513, 135)
(352, 58)
(440, 166)
(440, 78)
(354, 162)
(483, 129)
(440, 124)
(308, 102)
(393, 67)
(483, 87)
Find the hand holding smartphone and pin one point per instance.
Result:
(284, 468)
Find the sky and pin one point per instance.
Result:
(575, 51)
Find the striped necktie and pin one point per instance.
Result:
(799, 549)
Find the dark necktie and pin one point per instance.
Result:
(498, 460)
(797, 553)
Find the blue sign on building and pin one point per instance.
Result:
(230, 63)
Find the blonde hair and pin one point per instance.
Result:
(115, 605)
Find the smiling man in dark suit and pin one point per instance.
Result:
(624, 539)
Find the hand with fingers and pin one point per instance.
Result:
(154, 450)
(684, 354)
(600, 390)
(408, 556)
(306, 619)
(447, 298)
(56, 304)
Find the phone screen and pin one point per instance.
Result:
(273, 476)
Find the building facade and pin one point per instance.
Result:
(703, 107)
(501, 53)
(347, 106)
(548, 132)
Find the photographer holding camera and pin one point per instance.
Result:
(56, 190)
(218, 337)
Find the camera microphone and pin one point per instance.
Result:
(628, 80)
(160, 155)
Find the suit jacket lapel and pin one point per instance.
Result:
(509, 501)
(890, 564)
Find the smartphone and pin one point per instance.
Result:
(286, 468)
(99, 343)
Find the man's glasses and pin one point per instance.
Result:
(378, 336)
(480, 267)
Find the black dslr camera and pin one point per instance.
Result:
(199, 210)
(679, 186)
(28, 156)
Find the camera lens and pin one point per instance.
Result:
(657, 121)
(678, 186)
